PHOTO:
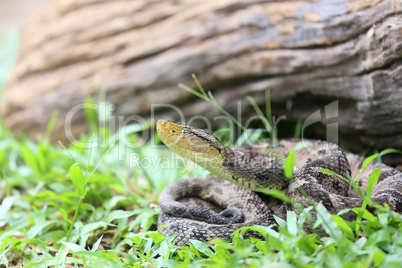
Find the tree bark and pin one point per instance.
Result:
(311, 54)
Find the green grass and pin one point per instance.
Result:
(57, 210)
(98, 208)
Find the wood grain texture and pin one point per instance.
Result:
(309, 53)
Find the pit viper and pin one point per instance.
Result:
(215, 207)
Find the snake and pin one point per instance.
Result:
(234, 196)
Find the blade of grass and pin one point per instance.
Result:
(265, 120)
(373, 178)
(289, 164)
(65, 149)
(50, 126)
(298, 129)
(268, 112)
(79, 184)
(208, 97)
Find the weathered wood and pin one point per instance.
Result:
(309, 53)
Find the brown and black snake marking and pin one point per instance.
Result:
(191, 219)
(207, 208)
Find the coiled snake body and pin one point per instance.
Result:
(212, 207)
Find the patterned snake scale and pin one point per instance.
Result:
(214, 207)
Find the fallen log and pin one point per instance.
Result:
(311, 54)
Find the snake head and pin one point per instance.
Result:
(192, 143)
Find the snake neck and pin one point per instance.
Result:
(255, 171)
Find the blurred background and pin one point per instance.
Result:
(311, 55)
(13, 13)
